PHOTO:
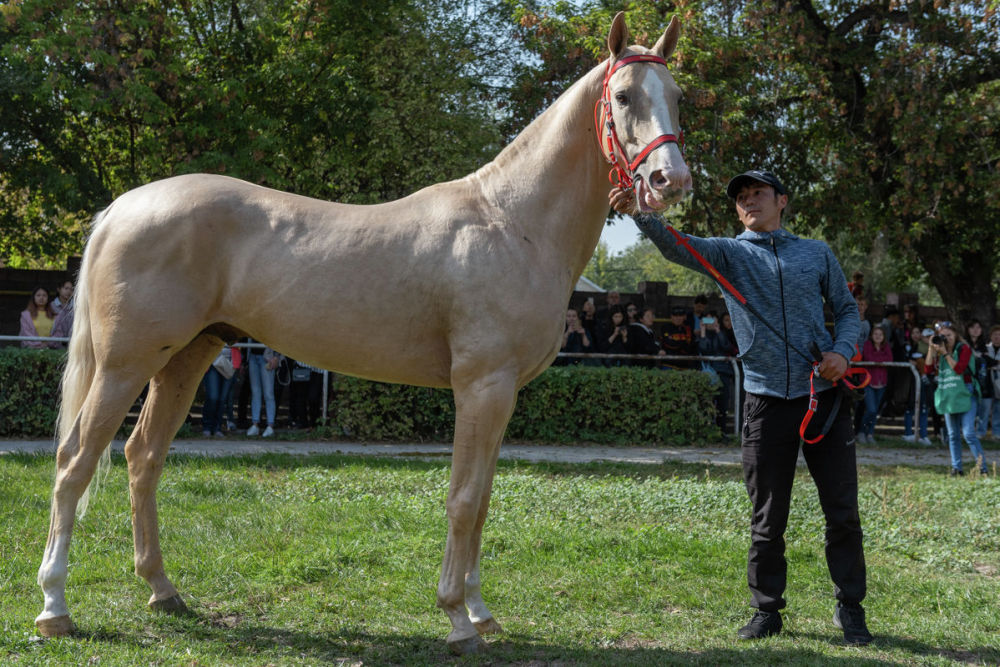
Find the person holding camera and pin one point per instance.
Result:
(956, 396)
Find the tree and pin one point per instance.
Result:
(907, 95)
(335, 99)
(639, 262)
(881, 118)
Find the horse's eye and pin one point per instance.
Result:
(622, 99)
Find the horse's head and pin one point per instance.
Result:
(645, 137)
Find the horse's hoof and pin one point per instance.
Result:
(467, 646)
(488, 626)
(172, 605)
(57, 626)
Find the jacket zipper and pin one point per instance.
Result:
(784, 320)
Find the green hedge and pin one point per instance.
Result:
(29, 391)
(562, 405)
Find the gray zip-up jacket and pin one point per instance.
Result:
(784, 278)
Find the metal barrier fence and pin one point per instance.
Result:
(733, 361)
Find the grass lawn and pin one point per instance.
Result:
(335, 560)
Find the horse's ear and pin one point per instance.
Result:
(618, 37)
(666, 44)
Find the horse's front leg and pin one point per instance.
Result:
(479, 614)
(483, 407)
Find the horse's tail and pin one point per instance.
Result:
(78, 377)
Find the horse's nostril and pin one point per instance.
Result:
(658, 179)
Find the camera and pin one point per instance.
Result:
(937, 340)
(708, 320)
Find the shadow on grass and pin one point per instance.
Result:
(984, 655)
(247, 643)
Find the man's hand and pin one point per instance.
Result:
(623, 201)
(833, 366)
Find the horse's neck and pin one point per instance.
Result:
(552, 180)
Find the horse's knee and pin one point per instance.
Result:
(463, 511)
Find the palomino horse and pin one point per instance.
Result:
(449, 287)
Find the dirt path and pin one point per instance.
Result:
(721, 454)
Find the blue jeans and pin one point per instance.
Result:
(216, 389)
(873, 399)
(926, 396)
(261, 385)
(994, 418)
(963, 425)
(983, 414)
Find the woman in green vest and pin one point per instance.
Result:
(956, 396)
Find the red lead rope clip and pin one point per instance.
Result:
(846, 385)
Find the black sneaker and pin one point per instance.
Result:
(851, 619)
(763, 624)
(956, 472)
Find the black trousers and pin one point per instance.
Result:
(770, 452)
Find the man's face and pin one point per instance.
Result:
(676, 320)
(759, 207)
(613, 298)
(648, 318)
(699, 308)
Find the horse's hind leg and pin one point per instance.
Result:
(483, 407)
(170, 394)
(107, 403)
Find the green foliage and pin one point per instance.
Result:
(881, 118)
(29, 391)
(563, 404)
(381, 411)
(641, 261)
(341, 100)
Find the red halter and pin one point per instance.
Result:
(623, 171)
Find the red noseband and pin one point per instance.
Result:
(623, 170)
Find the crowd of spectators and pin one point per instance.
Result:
(899, 337)
(239, 377)
(627, 334)
(630, 336)
(958, 371)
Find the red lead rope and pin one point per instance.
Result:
(814, 402)
(864, 377)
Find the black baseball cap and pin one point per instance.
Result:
(678, 310)
(760, 175)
